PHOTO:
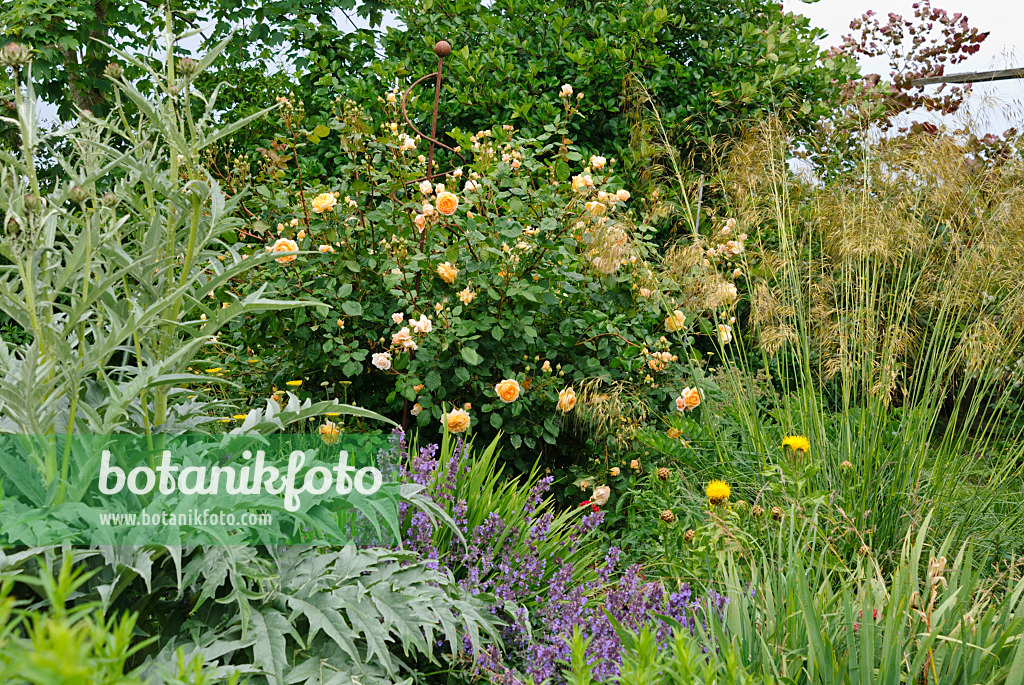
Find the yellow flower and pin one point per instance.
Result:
(447, 272)
(294, 384)
(614, 471)
(284, 245)
(457, 420)
(253, 360)
(326, 248)
(324, 202)
(508, 390)
(566, 400)
(675, 321)
(595, 208)
(797, 443)
(466, 296)
(216, 369)
(240, 417)
(724, 333)
(675, 433)
(717, 491)
(447, 203)
(329, 432)
(634, 464)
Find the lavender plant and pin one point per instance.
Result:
(548, 571)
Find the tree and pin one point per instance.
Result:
(709, 65)
(70, 38)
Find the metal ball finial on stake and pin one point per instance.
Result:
(442, 49)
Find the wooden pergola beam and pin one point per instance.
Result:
(972, 77)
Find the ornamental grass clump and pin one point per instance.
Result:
(885, 305)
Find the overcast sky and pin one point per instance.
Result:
(993, 107)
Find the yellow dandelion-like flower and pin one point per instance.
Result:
(214, 370)
(718, 491)
(240, 417)
(294, 384)
(797, 443)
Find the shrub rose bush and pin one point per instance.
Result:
(497, 287)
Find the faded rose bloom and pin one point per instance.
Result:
(566, 400)
(403, 339)
(601, 495)
(447, 272)
(416, 409)
(457, 421)
(508, 390)
(324, 202)
(582, 182)
(284, 245)
(382, 360)
(675, 321)
(398, 317)
(689, 399)
(423, 325)
(329, 432)
(447, 203)
(466, 296)
(623, 195)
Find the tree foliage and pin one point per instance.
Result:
(72, 38)
(708, 65)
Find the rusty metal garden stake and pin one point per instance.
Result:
(442, 49)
